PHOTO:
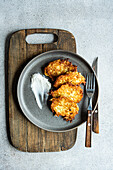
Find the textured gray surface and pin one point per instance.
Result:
(91, 22)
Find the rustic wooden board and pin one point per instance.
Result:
(23, 134)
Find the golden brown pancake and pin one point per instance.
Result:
(62, 106)
(74, 78)
(58, 67)
(72, 92)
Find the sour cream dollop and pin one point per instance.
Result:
(40, 87)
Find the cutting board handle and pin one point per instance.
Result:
(43, 31)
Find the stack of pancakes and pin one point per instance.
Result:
(68, 92)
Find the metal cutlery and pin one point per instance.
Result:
(90, 89)
(95, 119)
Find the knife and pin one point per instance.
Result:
(95, 123)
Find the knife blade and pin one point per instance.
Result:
(95, 124)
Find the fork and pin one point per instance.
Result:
(90, 89)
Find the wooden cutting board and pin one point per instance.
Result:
(23, 135)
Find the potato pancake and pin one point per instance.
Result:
(72, 92)
(74, 78)
(58, 67)
(62, 106)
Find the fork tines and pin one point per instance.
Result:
(90, 81)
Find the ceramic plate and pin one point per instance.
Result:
(44, 118)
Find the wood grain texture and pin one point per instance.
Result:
(23, 134)
(89, 129)
(95, 127)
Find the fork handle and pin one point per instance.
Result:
(89, 129)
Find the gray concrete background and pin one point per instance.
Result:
(91, 22)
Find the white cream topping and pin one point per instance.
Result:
(40, 87)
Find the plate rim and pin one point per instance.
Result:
(24, 69)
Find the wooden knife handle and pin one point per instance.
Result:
(95, 126)
(89, 129)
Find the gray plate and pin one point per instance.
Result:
(44, 118)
